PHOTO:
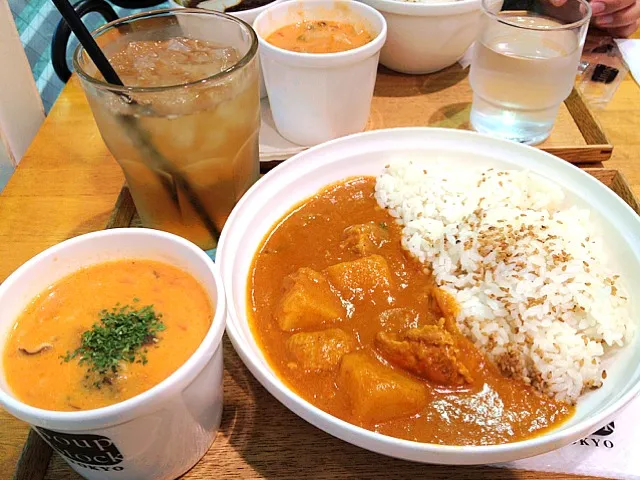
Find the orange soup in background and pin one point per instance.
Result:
(57, 317)
(319, 36)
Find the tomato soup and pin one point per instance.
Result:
(104, 334)
(319, 36)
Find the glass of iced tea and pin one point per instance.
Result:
(524, 65)
(184, 127)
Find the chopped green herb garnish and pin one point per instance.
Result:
(121, 335)
(383, 225)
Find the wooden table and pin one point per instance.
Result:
(67, 184)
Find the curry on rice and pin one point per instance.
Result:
(356, 326)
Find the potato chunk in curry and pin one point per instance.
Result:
(308, 301)
(365, 238)
(376, 392)
(362, 278)
(320, 351)
(428, 352)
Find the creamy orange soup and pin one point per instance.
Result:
(35, 357)
(319, 36)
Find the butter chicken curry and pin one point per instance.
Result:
(355, 326)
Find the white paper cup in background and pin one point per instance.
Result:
(425, 37)
(160, 433)
(247, 16)
(316, 97)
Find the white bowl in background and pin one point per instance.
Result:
(424, 37)
(247, 16)
(366, 154)
(316, 97)
(160, 433)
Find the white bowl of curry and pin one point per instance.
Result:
(111, 350)
(311, 228)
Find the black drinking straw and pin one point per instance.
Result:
(140, 136)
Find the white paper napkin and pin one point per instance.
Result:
(630, 49)
(272, 145)
(611, 452)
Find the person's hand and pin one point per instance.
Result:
(618, 17)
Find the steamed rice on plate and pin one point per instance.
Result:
(527, 270)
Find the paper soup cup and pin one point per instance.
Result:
(317, 97)
(160, 433)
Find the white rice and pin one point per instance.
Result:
(526, 268)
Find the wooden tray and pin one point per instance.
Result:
(260, 438)
(443, 99)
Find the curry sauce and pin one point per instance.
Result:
(355, 326)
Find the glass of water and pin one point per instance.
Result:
(524, 65)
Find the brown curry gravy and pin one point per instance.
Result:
(492, 410)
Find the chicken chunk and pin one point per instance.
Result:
(308, 301)
(320, 351)
(365, 238)
(428, 352)
(366, 276)
(376, 392)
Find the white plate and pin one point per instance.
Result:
(366, 154)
